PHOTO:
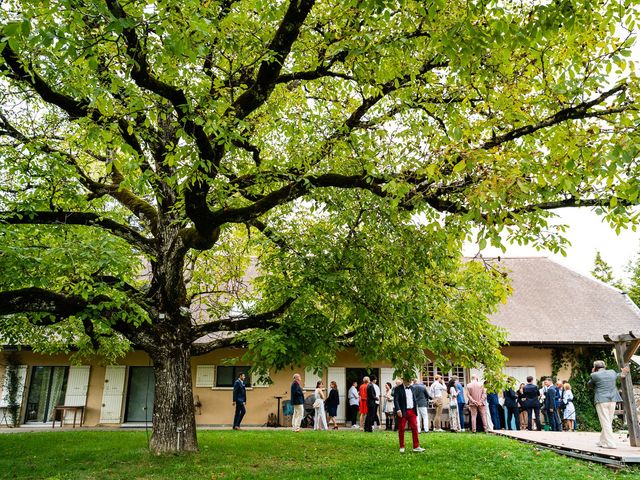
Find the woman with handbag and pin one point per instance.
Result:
(454, 417)
(320, 419)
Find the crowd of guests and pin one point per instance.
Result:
(528, 407)
(530, 403)
(406, 404)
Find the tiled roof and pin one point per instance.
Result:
(553, 304)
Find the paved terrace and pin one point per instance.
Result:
(579, 445)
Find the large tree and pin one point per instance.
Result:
(149, 151)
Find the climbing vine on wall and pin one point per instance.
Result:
(13, 387)
(580, 361)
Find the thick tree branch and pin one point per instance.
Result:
(237, 324)
(15, 69)
(34, 299)
(572, 202)
(202, 348)
(579, 111)
(79, 218)
(126, 197)
(144, 78)
(60, 307)
(278, 50)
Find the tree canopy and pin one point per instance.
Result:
(151, 153)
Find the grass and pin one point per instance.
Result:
(283, 455)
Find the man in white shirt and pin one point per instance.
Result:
(376, 387)
(354, 404)
(439, 394)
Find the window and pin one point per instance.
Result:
(430, 371)
(225, 376)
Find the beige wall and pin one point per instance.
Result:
(539, 358)
(217, 408)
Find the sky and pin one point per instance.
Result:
(587, 234)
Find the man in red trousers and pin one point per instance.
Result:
(405, 408)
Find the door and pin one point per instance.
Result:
(140, 394)
(357, 374)
(112, 394)
(46, 390)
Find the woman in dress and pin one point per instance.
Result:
(569, 414)
(332, 402)
(388, 406)
(523, 411)
(454, 417)
(320, 419)
(363, 400)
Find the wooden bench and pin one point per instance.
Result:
(63, 409)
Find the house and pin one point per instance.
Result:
(551, 307)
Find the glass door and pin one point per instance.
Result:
(140, 394)
(46, 390)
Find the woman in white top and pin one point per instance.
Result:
(320, 419)
(569, 414)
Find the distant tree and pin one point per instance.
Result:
(633, 285)
(602, 270)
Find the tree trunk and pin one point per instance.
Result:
(174, 422)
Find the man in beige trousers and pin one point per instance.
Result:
(606, 395)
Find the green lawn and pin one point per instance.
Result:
(284, 455)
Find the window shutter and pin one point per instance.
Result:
(205, 376)
(77, 386)
(339, 375)
(310, 379)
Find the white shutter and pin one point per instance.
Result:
(205, 376)
(339, 375)
(77, 386)
(386, 375)
(520, 373)
(310, 379)
(113, 394)
(22, 380)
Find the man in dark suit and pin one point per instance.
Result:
(239, 400)
(405, 408)
(297, 401)
(550, 405)
(372, 408)
(532, 402)
(511, 404)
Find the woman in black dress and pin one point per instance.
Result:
(331, 404)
